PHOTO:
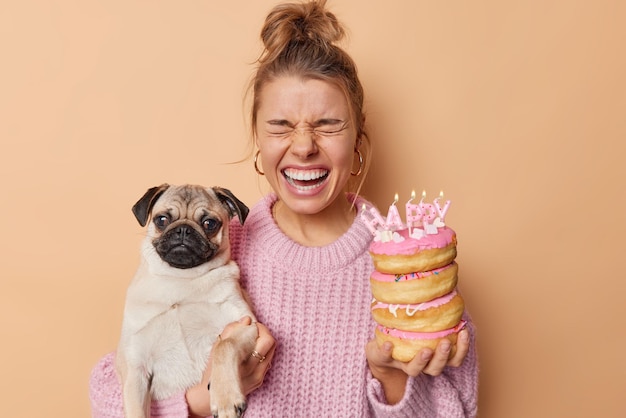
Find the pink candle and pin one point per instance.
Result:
(413, 212)
(369, 222)
(377, 216)
(372, 219)
(441, 212)
(394, 222)
(429, 213)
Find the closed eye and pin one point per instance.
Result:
(279, 127)
(322, 127)
(329, 127)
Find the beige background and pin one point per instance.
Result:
(515, 109)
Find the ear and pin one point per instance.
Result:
(234, 205)
(142, 208)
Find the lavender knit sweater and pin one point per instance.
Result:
(316, 303)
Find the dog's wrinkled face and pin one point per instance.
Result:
(188, 228)
(188, 223)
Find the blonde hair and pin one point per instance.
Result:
(300, 39)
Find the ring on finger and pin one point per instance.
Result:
(257, 355)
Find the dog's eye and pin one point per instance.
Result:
(210, 225)
(161, 222)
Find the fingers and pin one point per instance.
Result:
(260, 360)
(379, 357)
(264, 347)
(441, 357)
(462, 348)
(426, 361)
(230, 328)
(246, 320)
(420, 362)
(266, 341)
(381, 362)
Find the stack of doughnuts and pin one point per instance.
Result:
(415, 299)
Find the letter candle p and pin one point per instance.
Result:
(413, 211)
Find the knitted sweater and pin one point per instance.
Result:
(316, 303)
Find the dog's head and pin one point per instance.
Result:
(189, 223)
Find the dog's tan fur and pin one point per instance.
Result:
(173, 315)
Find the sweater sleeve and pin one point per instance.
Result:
(454, 393)
(105, 395)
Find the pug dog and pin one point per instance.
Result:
(185, 291)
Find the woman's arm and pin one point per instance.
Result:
(393, 374)
(429, 385)
(105, 391)
(252, 372)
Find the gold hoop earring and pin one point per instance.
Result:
(256, 167)
(360, 163)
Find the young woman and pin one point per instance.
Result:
(303, 254)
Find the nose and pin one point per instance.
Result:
(182, 232)
(303, 143)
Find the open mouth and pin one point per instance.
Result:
(305, 179)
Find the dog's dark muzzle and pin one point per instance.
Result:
(183, 247)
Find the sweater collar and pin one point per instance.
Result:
(282, 249)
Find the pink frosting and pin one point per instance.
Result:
(407, 335)
(410, 245)
(411, 309)
(382, 277)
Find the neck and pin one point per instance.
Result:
(318, 229)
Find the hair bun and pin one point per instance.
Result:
(301, 23)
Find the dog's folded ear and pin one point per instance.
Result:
(232, 204)
(142, 208)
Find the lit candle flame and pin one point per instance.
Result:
(395, 199)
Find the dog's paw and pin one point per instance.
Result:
(232, 411)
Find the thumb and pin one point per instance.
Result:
(246, 320)
(379, 355)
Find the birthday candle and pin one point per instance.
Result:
(377, 216)
(393, 217)
(413, 212)
(369, 222)
(407, 210)
(429, 212)
(372, 219)
(441, 212)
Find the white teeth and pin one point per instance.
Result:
(292, 175)
(305, 175)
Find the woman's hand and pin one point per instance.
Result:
(251, 371)
(393, 373)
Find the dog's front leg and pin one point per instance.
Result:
(135, 393)
(227, 397)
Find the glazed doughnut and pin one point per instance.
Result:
(414, 287)
(407, 344)
(414, 255)
(438, 314)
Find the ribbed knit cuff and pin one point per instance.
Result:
(415, 402)
(105, 394)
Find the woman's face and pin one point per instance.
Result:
(306, 138)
